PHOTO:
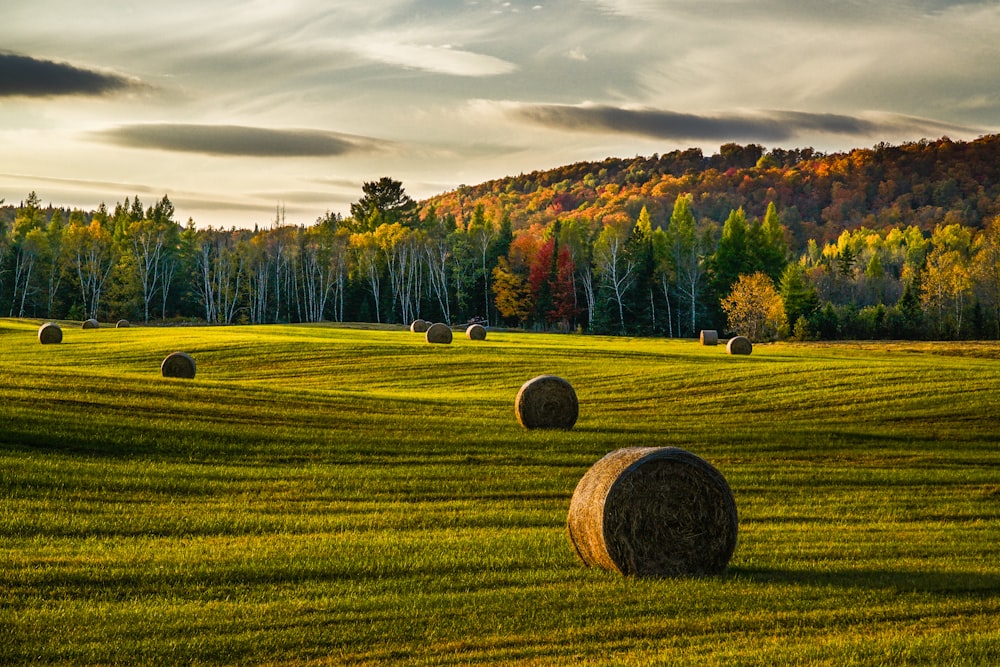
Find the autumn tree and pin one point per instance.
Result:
(947, 278)
(754, 308)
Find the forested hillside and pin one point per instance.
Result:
(890, 242)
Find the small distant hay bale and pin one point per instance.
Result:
(476, 332)
(709, 337)
(122, 324)
(739, 345)
(178, 365)
(547, 401)
(50, 333)
(419, 326)
(91, 324)
(438, 333)
(653, 512)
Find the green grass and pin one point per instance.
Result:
(334, 495)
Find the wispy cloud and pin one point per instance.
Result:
(766, 125)
(236, 140)
(440, 59)
(24, 76)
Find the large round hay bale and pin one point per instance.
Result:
(709, 337)
(178, 365)
(49, 333)
(91, 324)
(547, 401)
(476, 332)
(653, 512)
(419, 326)
(739, 345)
(438, 333)
(122, 324)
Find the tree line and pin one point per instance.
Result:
(391, 261)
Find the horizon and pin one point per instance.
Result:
(235, 110)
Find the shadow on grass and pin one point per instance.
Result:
(975, 584)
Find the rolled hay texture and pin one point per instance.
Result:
(419, 326)
(122, 324)
(438, 333)
(709, 337)
(653, 512)
(49, 333)
(90, 324)
(739, 345)
(178, 365)
(547, 401)
(476, 332)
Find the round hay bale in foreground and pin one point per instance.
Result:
(547, 401)
(49, 333)
(178, 365)
(122, 324)
(419, 326)
(476, 332)
(91, 324)
(438, 333)
(739, 345)
(653, 512)
(709, 337)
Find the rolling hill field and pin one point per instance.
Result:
(324, 494)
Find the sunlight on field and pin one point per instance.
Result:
(354, 495)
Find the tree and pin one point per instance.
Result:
(686, 253)
(754, 307)
(731, 258)
(29, 245)
(986, 267)
(614, 264)
(92, 254)
(947, 277)
(384, 202)
(798, 294)
(512, 293)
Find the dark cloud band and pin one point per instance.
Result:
(235, 140)
(757, 126)
(23, 76)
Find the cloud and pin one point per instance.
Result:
(768, 125)
(236, 140)
(24, 76)
(443, 59)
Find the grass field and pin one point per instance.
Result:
(335, 495)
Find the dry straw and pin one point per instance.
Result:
(547, 401)
(122, 324)
(709, 337)
(178, 365)
(90, 324)
(419, 326)
(653, 512)
(438, 333)
(49, 333)
(476, 332)
(739, 345)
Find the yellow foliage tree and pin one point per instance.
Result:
(754, 308)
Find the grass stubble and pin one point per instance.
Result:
(337, 495)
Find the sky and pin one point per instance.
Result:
(238, 108)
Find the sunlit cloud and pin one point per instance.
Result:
(235, 140)
(442, 59)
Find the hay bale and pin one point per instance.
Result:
(476, 332)
(90, 324)
(739, 345)
(653, 512)
(178, 365)
(709, 337)
(419, 326)
(49, 333)
(546, 401)
(122, 324)
(438, 333)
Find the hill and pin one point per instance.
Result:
(818, 195)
